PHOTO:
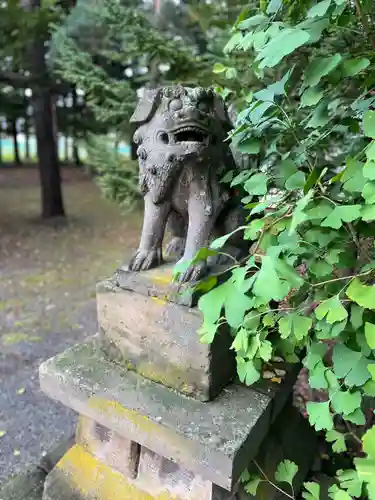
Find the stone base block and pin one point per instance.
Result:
(215, 440)
(80, 476)
(150, 472)
(108, 446)
(157, 474)
(290, 437)
(158, 282)
(143, 329)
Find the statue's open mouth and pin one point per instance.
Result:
(190, 134)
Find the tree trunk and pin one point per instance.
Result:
(45, 127)
(1, 147)
(76, 158)
(27, 138)
(49, 168)
(13, 131)
(66, 149)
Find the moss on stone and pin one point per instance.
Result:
(112, 409)
(96, 481)
(170, 375)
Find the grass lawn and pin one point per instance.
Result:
(50, 259)
(48, 273)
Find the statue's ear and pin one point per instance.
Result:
(147, 104)
(222, 112)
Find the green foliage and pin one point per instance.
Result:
(19, 26)
(110, 49)
(116, 175)
(310, 277)
(312, 491)
(285, 472)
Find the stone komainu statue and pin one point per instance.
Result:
(180, 134)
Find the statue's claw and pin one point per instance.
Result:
(175, 247)
(145, 259)
(193, 273)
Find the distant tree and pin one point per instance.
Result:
(111, 49)
(14, 110)
(25, 32)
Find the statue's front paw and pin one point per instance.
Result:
(175, 247)
(193, 273)
(145, 259)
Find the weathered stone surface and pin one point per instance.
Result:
(272, 388)
(27, 486)
(80, 476)
(215, 440)
(158, 338)
(108, 446)
(159, 283)
(157, 474)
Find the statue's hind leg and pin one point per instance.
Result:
(177, 227)
(236, 246)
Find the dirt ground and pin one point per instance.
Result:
(48, 273)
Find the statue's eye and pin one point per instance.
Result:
(175, 104)
(203, 106)
(163, 137)
(141, 153)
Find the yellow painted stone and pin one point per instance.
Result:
(163, 279)
(158, 300)
(96, 481)
(114, 409)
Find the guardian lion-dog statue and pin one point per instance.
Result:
(180, 136)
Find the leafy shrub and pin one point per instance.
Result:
(307, 288)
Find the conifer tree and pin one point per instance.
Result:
(112, 48)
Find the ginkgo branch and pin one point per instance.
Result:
(273, 484)
(353, 276)
(352, 433)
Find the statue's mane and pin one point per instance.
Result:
(150, 100)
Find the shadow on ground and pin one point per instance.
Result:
(48, 273)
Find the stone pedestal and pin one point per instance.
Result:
(145, 328)
(160, 415)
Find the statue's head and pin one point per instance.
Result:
(175, 126)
